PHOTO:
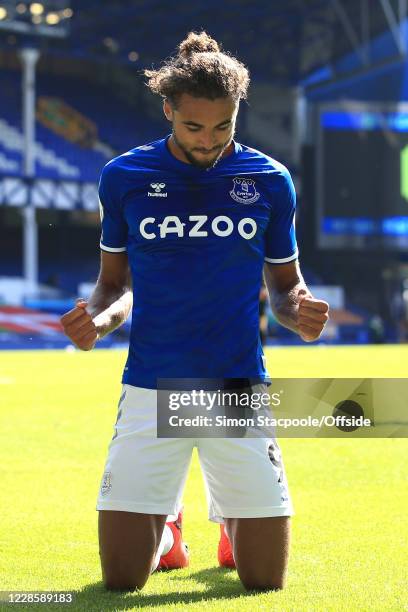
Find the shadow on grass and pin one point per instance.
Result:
(217, 583)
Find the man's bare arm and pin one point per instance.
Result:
(292, 303)
(111, 300)
(107, 308)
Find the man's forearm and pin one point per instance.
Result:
(293, 304)
(285, 305)
(109, 307)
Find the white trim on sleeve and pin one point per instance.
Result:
(112, 249)
(285, 260)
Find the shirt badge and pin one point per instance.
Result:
(244, 191)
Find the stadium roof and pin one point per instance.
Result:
(281, 40)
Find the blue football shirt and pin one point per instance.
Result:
(196, 241)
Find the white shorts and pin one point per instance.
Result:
(244, 477)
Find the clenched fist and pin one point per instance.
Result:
(312, 317)
(79, 326)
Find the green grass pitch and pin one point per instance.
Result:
(350, 532)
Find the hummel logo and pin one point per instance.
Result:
(157, 186)
(157, 190)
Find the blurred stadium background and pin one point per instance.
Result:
(328, 98)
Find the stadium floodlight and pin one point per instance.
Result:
(50, 18)
(36, 8)
(133, 56)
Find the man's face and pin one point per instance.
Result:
(202, 128)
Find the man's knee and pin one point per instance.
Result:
(262, 577)
(127, 546)
(254, 584)
(119, 584)
(115, 580)
(120, 574)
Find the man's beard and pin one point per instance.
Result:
(205, 164)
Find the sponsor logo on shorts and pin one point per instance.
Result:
(275, 457)
(106, 485)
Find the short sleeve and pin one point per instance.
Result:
(114, 227)
(280, 235)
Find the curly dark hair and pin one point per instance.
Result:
(200, 69)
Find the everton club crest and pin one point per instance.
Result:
(106, 485)
(244, 191)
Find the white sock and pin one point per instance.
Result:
(166, 542)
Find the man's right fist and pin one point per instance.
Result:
(79, 326)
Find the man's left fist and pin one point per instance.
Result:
(312, 317)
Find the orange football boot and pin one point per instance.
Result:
(225, 555)
(178, 555)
